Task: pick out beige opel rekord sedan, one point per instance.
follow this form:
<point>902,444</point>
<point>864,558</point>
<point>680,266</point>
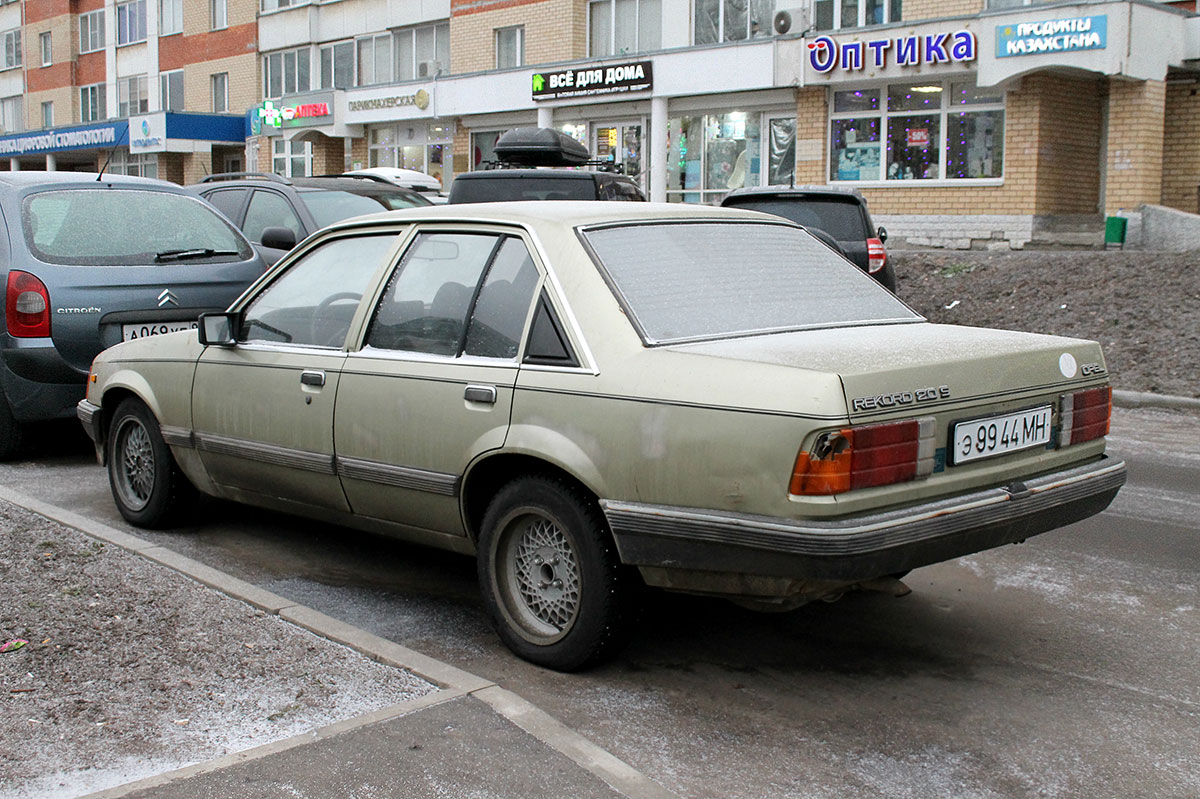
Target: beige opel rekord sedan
<point>593,396</point>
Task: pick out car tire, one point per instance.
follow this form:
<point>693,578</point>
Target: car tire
<point>551,579</point>
<point>147,485</point>
<point>11,431</point>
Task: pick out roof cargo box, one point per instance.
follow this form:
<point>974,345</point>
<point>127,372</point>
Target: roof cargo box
<point>540,147</point>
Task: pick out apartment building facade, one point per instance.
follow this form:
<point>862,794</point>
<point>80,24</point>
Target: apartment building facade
<point>147,87</point>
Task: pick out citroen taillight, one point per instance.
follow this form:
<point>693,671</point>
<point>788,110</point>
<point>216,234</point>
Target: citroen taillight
<point>876,255</point>
<point>865,456</point>
<point>26,306</point>
<point>1084,415</point>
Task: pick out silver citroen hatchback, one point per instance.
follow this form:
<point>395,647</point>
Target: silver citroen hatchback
<point>94,260</point>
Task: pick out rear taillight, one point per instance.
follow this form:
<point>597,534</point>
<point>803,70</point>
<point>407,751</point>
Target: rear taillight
<point>876,255</point>
<point>861,457</point>
<point>1084,415</point>
<point>26,306</point>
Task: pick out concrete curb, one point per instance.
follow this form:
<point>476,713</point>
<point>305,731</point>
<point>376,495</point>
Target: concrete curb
<point>1141,399</point>
<point>454,682</point>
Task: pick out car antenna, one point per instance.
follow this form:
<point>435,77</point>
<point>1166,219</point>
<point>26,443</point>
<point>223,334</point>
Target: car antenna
<point>112,152</point>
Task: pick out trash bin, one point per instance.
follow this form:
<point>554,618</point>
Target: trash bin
<point>1114,231</point>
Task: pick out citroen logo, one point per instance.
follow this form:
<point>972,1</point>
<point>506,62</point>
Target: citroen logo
<point>167,298</point>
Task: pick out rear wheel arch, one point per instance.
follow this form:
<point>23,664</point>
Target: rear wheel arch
<point>491,473</point>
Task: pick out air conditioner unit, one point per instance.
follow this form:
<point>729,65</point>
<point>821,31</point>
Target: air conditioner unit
<point>790,20</point>
<point>427,69</point>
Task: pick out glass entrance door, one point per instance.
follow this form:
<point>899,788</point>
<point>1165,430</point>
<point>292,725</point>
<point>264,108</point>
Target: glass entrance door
<point>621,144</point>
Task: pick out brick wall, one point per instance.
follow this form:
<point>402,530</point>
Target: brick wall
<point>812,133</point>
<point>329,154</point>
<point>1135,144</point>
<point>244,83</point>
<point>65,100</point>
<point>555,30</point>
<point>914,10</point>
<point>1069,131</point>
<point>1181,147</point>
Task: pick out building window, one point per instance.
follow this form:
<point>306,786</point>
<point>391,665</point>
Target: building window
<point>510,47</point>
<point>422,52</point>
<point>220,92</point>
<point>47,48</point>
<point>171,88</point>
<point>93,103</point>
<point>170,17</point>
<point>292,159</point>
<point>374,59</point>
<point>48,114</point>
<point>274,5</point>
<point>12,49</point>
<point>131,22</point>
<point>12,114</point>
<point>837,14</point>
<point>133,96</point>
<point>993,5</point>
<point>218,14</point>
<point>732,20</point>
<point>285,73</point>
<point>91,31</point>
<point>928,131</point>
<point>141,164</point>
<point>624,26</point>
<point>337,65</point>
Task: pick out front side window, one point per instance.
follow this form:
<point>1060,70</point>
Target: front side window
<point>839,14</point>
<point>675,290</point>
<point>435,304</point>
<point>510,47</point>
<point>926,131</point>
<point>131,22</point>
<point>269,209</point>
<point>313,302</point>
<point>617,27</point>
<point>126,226</point>
<point>170,16</point>
<point>171,86</point>
<point>92,103</point>
<point>12,49</point>
<point>732,20</point>
<point>91,31</point>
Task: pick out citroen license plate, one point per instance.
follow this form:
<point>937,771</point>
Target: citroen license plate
<point>998,435</point>
<point>130,332</point>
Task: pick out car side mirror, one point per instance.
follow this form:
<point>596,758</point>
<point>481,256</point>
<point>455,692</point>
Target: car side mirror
<point>279,238</point>
<point>882,234</point>
<point>217,328</point>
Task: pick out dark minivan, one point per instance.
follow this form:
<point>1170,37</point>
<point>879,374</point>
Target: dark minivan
<point>841,213</point>
<point>93,261</point>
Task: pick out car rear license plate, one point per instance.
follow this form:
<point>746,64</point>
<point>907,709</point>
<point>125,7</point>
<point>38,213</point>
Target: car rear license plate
<point>130,332</point>
<point>997,435</point>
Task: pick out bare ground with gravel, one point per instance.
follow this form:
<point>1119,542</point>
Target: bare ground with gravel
<point>133,669</point>
<point>1143,307</point>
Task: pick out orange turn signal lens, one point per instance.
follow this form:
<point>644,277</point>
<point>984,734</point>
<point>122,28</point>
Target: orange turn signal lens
<point>861,457</point>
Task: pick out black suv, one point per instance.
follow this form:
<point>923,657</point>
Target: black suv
<point>91,261</point>
<point>840,213</point>
<point>276,212</point>
<point>542,147</point>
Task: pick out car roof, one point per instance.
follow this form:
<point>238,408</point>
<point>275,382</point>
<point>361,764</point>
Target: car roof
<point>574,213</point>
<point>828,192</point>
<point>513,174</point>
<point>24,178</point>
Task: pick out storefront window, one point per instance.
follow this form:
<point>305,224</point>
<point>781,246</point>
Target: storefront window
<point>711,154</point>
<point>292,159</point>
<point>927,131</point>
<point>144,165</point>
<point>483,148</point>
<point>411,145</point>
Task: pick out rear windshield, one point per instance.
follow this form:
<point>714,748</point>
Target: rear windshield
<point>691,281</point>
<point>113,227</point>
<point>500,189</point>
<point>328,207</point>
<point>842,219</point>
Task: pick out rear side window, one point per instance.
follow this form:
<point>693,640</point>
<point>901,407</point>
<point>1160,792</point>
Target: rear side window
<point>841,219</point>
<point>114,227</point>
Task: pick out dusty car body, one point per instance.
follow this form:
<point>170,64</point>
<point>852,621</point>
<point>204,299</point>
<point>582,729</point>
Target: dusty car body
<point>604,403</point>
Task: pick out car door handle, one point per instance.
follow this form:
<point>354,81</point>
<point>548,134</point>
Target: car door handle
<point>485,394</point>
<point>311,377</point>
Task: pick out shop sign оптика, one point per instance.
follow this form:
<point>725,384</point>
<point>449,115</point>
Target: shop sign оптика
<point>826,54</point>
<point>1051,36</point>
<point>634,76</point>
